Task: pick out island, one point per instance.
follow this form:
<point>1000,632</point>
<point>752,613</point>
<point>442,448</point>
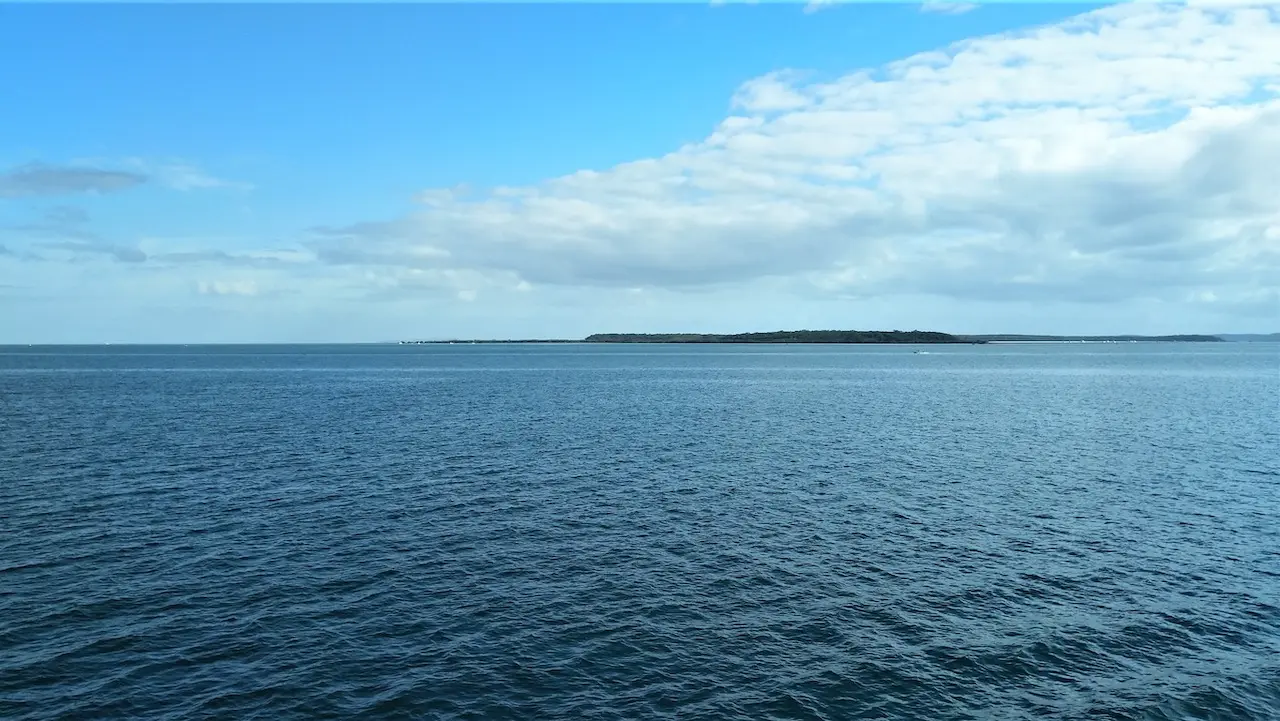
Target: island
<point>845,337</point>
<point>1250,337</point>
<point>781,336</point>
<point>787,336</point>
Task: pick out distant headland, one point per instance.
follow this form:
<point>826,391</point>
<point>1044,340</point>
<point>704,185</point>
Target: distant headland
<point>847,337</point>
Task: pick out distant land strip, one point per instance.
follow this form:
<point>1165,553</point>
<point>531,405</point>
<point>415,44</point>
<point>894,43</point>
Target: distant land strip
<point>847,336</point>
<point>1097,338</point>
<point>787,336</point>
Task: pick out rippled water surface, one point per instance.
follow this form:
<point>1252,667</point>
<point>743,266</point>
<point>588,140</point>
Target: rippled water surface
<point>620,532</point>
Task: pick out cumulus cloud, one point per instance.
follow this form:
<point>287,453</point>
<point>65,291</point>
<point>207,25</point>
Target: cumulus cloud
<point>775,91</point>
<point>38,179</point>
<point>1131,152</point>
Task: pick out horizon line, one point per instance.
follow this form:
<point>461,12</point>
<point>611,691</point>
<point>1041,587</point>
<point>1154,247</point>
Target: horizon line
<point>583,340</point>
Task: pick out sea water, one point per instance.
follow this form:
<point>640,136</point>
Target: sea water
<point>633,532</point>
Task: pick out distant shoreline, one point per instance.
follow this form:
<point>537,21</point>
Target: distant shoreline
<point>839,337</point>
<point>685,339</point>
<point>1013,338</point>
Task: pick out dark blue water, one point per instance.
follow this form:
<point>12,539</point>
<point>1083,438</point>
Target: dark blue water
<point>588,532</point>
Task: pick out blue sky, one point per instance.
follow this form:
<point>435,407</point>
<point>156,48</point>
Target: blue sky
<point>281,172</point>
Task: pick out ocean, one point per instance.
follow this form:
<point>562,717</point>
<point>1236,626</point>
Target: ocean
<point>1079,531</point>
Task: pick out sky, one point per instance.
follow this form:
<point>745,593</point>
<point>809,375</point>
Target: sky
<point>353,173</point>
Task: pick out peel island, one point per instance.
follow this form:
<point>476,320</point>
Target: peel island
<point>787,336</point>
<point>841,336</point>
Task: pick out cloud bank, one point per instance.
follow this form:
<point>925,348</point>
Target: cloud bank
<point>1127,158</point>
<point>1131,152</point>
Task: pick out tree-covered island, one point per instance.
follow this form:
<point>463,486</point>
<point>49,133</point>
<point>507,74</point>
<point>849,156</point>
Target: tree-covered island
<point>786,336</point>
<point>842,336</point>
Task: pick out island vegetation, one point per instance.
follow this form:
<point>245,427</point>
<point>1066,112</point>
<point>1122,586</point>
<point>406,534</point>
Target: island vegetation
<point>1250,337</point>
<point>786,336</point>
<point>845,336</point>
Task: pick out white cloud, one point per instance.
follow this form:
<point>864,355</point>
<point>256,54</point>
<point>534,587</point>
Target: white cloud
<point>947,7</point>
<point>107,175</point>
<point>185,176</point>
<point>172,173</point>
<point>775,91</point>
<point>1130,156</point>
<point>227,287</point>
<point>814,6</point>
<point>1128,153</point>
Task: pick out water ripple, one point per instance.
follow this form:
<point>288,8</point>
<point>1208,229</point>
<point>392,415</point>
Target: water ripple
<point>590,534</point>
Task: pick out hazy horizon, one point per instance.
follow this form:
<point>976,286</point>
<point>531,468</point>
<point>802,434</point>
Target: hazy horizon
<point>563,339</point>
